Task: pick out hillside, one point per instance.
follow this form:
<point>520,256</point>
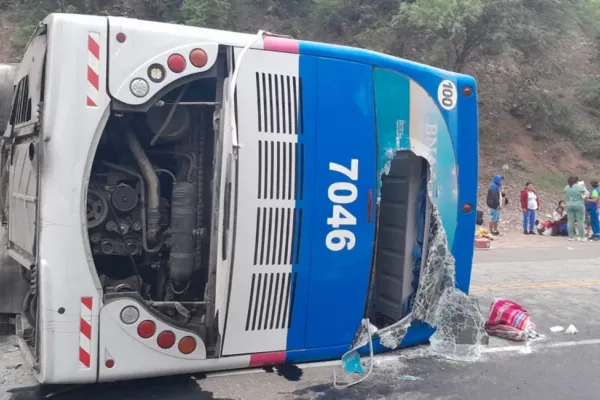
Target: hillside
<point>536,62</point>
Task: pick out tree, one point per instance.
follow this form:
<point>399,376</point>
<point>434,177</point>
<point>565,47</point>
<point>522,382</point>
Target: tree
<point>455,29</point>
<point>207,13</point>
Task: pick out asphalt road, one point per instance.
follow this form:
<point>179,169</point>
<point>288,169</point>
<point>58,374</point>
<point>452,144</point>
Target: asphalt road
<point>559,286</point>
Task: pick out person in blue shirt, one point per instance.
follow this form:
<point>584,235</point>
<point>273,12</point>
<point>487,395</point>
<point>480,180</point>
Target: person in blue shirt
<point>591,205</point>
<point>496,198</point>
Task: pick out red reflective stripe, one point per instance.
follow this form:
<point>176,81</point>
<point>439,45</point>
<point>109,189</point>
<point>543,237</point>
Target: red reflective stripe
<point>280,44</point>
<point>94,47</point>
<point>87,301</point>
<point>93,78</point>
<point>263,359</point>
<point>85,328</point>
<point>84,357</point>
<point>91,103</point>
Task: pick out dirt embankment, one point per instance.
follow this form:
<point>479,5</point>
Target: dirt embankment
<point>523,150</point>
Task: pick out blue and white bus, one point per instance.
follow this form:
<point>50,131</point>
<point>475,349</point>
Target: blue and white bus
<point>192,200</point>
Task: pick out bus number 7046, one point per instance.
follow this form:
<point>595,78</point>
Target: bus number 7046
<point>341,193</point>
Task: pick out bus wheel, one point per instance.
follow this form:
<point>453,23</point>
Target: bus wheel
<point>30,308</point>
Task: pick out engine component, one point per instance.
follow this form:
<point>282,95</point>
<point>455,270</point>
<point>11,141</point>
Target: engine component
<point>125,226</point>
<point>153,186</point>
<point>133,245</point>
<point>137,226</point>
<point>96,237</point>
<point>129,284</point>
<point>124,198</point>
<point>109,246</point>
<point>112,226</point>
<point>97,208</point>
<point>183,224</point>
<point>115,234</point>
<point>114,246</point>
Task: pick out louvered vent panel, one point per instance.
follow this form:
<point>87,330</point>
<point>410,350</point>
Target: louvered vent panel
<point>271,301</point>
<point>280,170</point>
<point>279,102</point>
<point>278,236</point>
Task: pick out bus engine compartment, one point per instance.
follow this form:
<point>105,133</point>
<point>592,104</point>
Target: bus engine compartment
<point>149,200</point>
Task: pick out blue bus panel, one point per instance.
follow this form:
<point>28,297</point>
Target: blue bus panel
<point>343,214</point>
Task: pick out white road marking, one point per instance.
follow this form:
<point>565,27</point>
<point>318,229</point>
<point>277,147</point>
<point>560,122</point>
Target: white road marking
<point>526,348</point>
<point>555,345</point>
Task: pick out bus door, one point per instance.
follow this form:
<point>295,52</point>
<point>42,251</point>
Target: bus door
<point>344,196</point>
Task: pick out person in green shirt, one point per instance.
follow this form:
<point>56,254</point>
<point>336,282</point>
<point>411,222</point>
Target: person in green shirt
<point>574,196</point>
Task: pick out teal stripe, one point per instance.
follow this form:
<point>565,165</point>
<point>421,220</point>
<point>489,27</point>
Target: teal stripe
<point>392,110</point>
<point>393,100</point>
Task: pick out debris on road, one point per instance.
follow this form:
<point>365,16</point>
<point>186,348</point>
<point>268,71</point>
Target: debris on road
<point>571,330</point>
<point>483,238</point>
<point>482,243</point>
<point>556,329</point>
<point>351,364</point>
<point>410,378</point>
<point>482,233</point>
<point>509,320</point>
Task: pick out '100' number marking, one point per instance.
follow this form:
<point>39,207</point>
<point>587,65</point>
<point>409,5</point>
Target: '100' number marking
<point>341,193</point>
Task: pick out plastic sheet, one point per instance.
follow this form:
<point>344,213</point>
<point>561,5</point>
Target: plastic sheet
<point>351,363</point>
<point>571,330</point>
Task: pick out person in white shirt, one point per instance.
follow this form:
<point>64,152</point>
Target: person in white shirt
<point>530,203</point>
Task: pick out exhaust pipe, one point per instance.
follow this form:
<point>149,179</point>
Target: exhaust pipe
<point>152,184</point>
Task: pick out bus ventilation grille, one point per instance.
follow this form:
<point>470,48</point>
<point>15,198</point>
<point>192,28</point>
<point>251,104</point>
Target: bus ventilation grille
<point>278,235</point>
<point>280,170</point>
<point>271,301</point>
<point>279,102</point>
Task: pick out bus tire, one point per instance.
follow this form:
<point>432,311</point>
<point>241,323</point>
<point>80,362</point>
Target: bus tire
<point>29,310</point>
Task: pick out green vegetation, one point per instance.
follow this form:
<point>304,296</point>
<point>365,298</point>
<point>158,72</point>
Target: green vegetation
<point>549,182</point>
<point>521,51</point>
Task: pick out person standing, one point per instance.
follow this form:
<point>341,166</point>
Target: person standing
<point>574,194</point>
<point>530,203</point>
<point>591,205</point>
<point>496,198</point>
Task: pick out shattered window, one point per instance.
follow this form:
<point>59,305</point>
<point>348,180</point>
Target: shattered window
<point>456,317</point>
